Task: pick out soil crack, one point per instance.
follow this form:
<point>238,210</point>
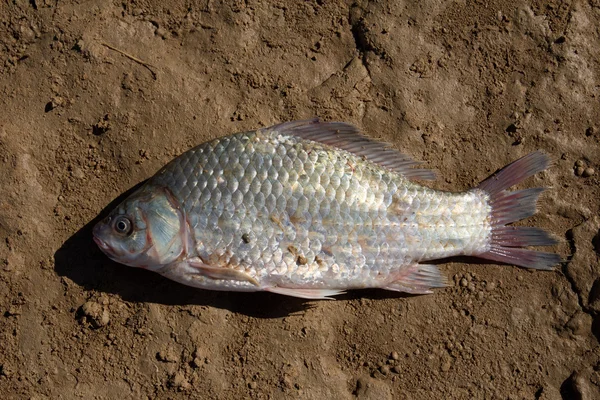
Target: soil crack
<point>570,236</point>
<point>359,31</point>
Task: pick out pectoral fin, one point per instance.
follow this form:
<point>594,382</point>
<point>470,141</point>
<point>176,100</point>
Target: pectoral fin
<point>221,273</point>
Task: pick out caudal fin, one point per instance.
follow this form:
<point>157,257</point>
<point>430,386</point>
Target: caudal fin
<point>508,241</point>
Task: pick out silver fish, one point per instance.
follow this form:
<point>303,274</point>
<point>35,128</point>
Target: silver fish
<point>311,209</point>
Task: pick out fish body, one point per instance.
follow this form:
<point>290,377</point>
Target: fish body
<point>310,209</point>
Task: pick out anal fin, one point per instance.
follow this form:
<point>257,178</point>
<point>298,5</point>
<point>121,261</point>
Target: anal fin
<point>313,294</point>
<point>417,279</point>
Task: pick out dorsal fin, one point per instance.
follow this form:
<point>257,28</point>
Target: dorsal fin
<point>347,137</point>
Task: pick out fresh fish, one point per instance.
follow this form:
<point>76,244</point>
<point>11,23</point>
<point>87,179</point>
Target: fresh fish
<point>311,209</point>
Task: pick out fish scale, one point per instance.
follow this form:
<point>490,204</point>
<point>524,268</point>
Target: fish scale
<point>288,209</point>
<point>354,199</point>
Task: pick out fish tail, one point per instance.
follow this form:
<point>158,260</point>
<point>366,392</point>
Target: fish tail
<point>507,242</point>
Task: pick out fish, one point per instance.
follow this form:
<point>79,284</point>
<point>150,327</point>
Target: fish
<point>312,209</point>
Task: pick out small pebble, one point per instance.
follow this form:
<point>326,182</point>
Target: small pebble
<point>588,172</point>
<point>252,385</point>
<point>96,315</point>
<point>396,369</point>
<point>197,362</point>
<point>446,366</point>
<point>580,323</point>
<point>179,381</point>
<point>464,282</point>
<point>394,355</point>
<point>579,171</point>
<point>580,163</point>
<point>12,311</point>
<point>167,356</point>
<point>384,369</point>
<point>161,32</point>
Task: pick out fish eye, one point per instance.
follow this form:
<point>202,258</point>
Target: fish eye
<point>123,225</point>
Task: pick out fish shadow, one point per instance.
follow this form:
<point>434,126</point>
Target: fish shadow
<point>80,260</point>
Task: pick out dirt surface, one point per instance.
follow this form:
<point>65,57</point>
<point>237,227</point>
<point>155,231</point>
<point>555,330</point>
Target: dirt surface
<point>97,95</point>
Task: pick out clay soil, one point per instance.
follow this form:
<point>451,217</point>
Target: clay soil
<point>95,96</point>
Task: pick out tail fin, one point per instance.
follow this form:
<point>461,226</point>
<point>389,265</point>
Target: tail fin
<point>508,207</point>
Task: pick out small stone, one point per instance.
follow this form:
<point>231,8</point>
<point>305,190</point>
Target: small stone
<point>12,312</point>
<point>471,287</point>
<point>161,32</point>
<point>446,365</point>
<point>77,173</point>
<point>197,353</point>
<point>480,295</point>
<point>580,163</point>
<point>197,362</point>
<point>579,171</point>
<point>369,388</point>
<point>577,386</point>
<point>252,385</point>
<point>396,369</point>
<point>394,355</point>
<point>5,370</point>
<point>464,282</point>
<point>94,314</point>
<point>589,171</point>
<point>580,323</point>
<point>55,102</point>
<point>179,381</point>
<point>102,126</point>
<point>167,355</point>
<point>490,286</point>
<point>287,381</point>
<point>384,369</point>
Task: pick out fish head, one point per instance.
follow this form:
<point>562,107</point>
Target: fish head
<point>147,230</point>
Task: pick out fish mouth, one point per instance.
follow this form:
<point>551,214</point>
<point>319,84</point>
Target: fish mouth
<point>101,243</point>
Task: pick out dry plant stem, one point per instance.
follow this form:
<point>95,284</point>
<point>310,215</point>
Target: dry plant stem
<point>133,58</point>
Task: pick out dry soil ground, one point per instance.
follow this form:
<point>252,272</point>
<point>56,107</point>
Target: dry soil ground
<point>466,86</point>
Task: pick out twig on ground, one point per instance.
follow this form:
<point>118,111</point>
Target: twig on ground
<point>133,58</point>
